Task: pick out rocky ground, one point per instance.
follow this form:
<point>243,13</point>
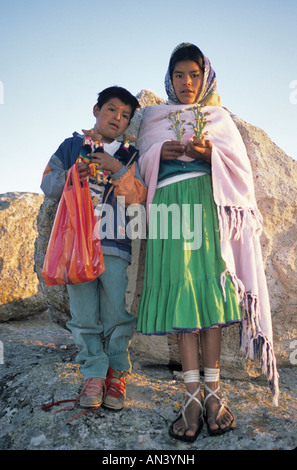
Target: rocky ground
<point>38,367</point>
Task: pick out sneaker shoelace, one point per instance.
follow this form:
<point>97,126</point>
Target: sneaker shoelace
<point>86,388</point>
<point>93,387</point>
<point>116,386</point>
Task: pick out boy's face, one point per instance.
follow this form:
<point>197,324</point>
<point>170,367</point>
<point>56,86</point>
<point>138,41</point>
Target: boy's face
<point>112,119</point>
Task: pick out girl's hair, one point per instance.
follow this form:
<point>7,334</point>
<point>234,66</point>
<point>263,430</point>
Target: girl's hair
<point>118,92</point>
<point>190,52</point>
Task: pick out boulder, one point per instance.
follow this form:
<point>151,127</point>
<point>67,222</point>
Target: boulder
<point>20,295</point>
<point>56,296</point>
<point>274,176</point>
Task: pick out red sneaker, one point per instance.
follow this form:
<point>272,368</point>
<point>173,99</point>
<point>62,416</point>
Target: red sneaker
<point>93,392</point>
<point>116,390</point>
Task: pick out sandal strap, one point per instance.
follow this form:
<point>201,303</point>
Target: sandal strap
<point>222,405</point>
<point>213,393</point>
<point>191,398</point>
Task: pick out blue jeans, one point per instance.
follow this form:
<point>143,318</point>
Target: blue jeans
<point>98,311</point>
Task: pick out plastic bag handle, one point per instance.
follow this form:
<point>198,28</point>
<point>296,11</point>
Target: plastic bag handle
<point>72,175</point>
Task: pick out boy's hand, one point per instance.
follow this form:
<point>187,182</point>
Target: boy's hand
<point>83,171</point>
<point>199,149</point>
<point>105,161</point>
<point>172,149</point>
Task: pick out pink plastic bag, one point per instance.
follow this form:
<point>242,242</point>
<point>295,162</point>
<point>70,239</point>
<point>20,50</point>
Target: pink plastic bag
<point>74,254</point>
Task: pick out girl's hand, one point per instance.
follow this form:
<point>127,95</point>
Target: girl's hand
<point>172,149</point>
<point>105,161</point>
<point>199,149</point>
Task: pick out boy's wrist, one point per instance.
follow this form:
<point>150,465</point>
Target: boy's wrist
<point>119,174</point>
<point>116,166</point>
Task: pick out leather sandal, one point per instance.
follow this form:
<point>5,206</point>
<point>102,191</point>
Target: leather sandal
<point>182,414</point>
<point>223,407</point>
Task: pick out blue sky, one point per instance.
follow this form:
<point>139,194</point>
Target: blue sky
<point>55,56</point>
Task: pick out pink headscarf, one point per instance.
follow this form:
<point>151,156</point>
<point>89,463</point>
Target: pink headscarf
<point>209,86</point>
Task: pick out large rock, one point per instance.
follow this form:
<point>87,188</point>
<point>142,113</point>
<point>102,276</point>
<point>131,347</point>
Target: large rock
<point>275,176</point>
<point>56,296</point>
<point>20,294</point>
<point>275,182</point>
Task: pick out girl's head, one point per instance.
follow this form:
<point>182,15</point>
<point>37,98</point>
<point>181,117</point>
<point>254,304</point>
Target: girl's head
<point>186,53</point>
<point>187,80</point>
<point>190,77</point>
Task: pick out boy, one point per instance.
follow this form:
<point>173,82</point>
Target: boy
<point>98,308</point>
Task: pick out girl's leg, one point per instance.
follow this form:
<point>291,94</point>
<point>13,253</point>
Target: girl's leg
<point>211,351</point>
<point>189,350</point>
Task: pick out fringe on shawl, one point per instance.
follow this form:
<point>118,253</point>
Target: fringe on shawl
<point>256,345</point>
<point>253,342</point>
<point>233,220</point>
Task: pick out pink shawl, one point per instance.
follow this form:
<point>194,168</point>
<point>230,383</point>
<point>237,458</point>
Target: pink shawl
<point>240,221</point>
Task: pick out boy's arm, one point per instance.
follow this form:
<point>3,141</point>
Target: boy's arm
<point>55,173</point>
<point>54,178</point>
<point>128,183</point>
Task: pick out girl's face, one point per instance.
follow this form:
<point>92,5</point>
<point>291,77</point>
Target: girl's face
<point>187,79</point>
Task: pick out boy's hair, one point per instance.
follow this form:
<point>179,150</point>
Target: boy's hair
<point>122,94</point>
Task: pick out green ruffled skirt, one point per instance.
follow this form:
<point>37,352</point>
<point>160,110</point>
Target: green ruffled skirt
<point>182,289</point>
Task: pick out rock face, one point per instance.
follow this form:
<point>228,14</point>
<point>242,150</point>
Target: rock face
<point>275,176</point>
<point>37,356</point>
<point>20,293</point>
<point>56,296</point>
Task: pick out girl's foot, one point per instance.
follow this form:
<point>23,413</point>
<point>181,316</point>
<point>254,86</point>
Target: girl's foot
<point>217,415</point>
<point>189,423</point>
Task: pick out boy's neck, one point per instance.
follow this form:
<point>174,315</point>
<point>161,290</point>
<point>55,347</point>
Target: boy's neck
<point>105,140</point>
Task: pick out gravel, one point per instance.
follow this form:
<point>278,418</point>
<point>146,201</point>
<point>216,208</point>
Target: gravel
<point>38,367</point>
